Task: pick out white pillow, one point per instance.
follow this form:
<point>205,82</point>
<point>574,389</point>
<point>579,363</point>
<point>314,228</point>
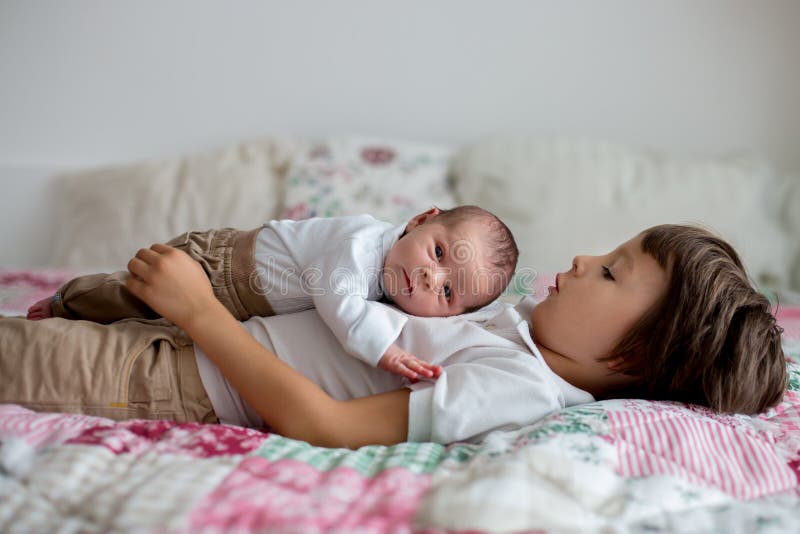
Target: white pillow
<point>787,199</point>
<point>565,197</point>
<point>106,214</point>
<point>391,180</point>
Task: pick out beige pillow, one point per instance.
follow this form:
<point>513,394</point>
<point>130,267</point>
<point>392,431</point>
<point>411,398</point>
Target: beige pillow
<point>563,197</point>
<point>106,214</point>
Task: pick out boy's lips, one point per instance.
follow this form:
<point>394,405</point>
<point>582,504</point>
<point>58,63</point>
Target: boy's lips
<point>553,289</point>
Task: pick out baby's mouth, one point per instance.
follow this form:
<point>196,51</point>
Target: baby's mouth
<point>409,289</point>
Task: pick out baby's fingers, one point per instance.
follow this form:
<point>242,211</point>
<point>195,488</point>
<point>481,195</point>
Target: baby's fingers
<point>418,366</point>
<point>404,370</point>
<point>430,370</point>
<point>422,370</point>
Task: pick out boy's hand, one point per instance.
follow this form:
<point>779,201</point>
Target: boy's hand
<point>397,361</point>
<point>171,283</point>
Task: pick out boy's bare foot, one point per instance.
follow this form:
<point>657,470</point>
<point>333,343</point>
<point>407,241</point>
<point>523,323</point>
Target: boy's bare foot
<point>41,310</point>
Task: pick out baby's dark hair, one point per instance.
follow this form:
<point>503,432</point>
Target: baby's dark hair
<point>502,248</point>
<point>711,339</point>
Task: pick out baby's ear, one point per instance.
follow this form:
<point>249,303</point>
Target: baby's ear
<point>422,218</point>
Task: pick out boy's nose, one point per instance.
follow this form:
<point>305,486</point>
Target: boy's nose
<point>579,265</point>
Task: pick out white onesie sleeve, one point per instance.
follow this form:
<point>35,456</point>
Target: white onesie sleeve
<point>345,299</point>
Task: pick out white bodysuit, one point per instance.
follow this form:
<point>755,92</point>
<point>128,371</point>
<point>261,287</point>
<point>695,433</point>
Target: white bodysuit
<point>494,377</point>
<point>334,265</point>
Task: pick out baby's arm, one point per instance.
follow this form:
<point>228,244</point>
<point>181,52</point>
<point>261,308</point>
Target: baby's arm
<point>365,328</point>
<point>397,361</point>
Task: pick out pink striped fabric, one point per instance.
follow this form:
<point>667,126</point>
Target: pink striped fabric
<point>666,439</point>
<point>789,318</point>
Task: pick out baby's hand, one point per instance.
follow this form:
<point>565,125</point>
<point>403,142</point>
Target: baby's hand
<point>397,361</point>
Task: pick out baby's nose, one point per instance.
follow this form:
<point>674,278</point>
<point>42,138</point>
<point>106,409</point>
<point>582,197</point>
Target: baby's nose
<point>434,278</point>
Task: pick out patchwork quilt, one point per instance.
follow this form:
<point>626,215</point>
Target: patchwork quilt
<point>622,465</point>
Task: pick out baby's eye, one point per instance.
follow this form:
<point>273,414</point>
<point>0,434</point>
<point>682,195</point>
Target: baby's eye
<point>447,291</point>
<point>439,252</point>
<point>607,273</point>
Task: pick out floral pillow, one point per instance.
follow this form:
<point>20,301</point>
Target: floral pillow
<point>346,176</point>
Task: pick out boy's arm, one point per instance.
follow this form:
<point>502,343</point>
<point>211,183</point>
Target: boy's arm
<point>177,288</point>
<point>289,402</point>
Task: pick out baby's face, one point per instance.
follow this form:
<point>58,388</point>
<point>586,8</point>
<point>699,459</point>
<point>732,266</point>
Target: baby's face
<point>436,270</point>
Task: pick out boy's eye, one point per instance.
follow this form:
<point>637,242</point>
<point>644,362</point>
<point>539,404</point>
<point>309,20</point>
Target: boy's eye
<point>439,252</point>
<point>447,292</point>
<point>607,273</point>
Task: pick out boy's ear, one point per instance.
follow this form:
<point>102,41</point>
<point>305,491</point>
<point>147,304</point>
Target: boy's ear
<point>615,364</point>
<point>422,218</point>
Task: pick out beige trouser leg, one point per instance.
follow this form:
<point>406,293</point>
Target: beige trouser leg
<point>226,255</point>
<point>132,369</point>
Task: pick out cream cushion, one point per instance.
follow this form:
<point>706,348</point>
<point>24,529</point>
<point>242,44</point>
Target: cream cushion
<point>563,197</point>
<point>105,215</point>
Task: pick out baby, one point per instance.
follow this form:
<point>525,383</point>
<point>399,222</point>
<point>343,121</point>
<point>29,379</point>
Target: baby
<point>442,263</point>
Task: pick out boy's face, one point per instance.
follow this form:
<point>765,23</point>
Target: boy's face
<point>435,270</point>
<point>593,306</point>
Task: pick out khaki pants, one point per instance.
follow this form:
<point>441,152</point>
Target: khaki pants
<point>132,369</point>
<point>226,255</point>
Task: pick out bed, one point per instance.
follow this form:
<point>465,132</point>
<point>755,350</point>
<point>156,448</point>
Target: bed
<point>622,465</point>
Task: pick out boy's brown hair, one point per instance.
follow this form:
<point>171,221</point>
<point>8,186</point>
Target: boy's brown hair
<point>711,340</point>
<point>498,239</point>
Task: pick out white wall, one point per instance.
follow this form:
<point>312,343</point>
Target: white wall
<point>90,81</point>
<point>85,82</point>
